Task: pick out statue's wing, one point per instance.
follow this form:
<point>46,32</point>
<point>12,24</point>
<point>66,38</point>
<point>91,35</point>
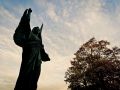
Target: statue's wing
<point>40,30</point>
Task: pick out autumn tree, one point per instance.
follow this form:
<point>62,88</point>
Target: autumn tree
<point>95,67</point>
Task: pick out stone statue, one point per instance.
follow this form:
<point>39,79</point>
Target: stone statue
<point>33,53</point>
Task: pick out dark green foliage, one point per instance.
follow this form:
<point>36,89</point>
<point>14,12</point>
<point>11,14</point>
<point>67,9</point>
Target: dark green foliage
<point>95,67</point>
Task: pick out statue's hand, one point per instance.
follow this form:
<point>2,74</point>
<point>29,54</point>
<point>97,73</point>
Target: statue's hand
<point>29,10</point>
<point>29,14</point>
<point>26,15</point>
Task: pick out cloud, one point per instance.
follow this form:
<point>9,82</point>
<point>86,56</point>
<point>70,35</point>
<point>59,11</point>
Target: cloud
<point>52,13</point>
<point>53,87</point>
<point>7,18</point>
<point>65,13</point>
<point>67,25</point>
<point>84,21</point>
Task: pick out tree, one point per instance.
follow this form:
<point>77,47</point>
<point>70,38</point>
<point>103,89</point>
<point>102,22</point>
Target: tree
<point>95,67</point>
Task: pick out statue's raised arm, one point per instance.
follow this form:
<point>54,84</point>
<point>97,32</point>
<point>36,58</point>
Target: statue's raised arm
<point>23,30</point>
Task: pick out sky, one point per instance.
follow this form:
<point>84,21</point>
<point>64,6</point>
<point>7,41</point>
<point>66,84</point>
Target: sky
<point>67,25</point>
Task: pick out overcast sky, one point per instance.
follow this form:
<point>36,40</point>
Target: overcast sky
<point>67,25</point>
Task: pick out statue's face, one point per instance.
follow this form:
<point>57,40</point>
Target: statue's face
<point>35,30</point>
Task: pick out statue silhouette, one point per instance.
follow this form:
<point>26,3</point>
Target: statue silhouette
<point>33,53</point>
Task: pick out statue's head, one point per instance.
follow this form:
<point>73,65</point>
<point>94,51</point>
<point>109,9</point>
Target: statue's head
<point>35,30</point>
